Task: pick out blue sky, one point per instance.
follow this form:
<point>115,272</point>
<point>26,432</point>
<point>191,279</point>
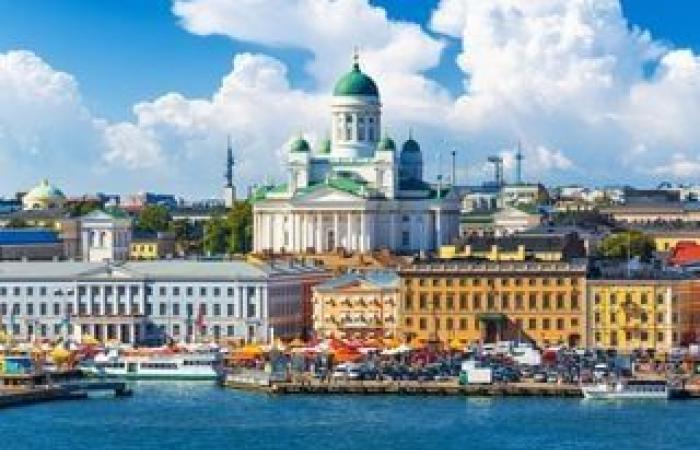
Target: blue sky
<point>121,53</point>
<point>124,51</point>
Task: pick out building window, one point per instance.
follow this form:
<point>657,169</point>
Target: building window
<point>519,301</point>
<point>176,291</point>
<point>409,321</point>
<point>43,309</point>
<point>162,309</point>
<point>162,291</point>
<point>448,323</point>
<point>176,309</point>
<point>560,324</point>
<point>532,324</point>
<point>463,301</point>
<point>463,323</point>
<point>574,302</point>
<point>436,301</point>
<point>190,291</point>
<point>476,302</point>
<point>532,302</point>
<point>217,292</point>
<point>229,291</point>
<point>546,300</point>
<point>229,309</point>
<point>202,292</point>
<point>409,302</point>
<point>423,301</point>
<point>545,324</point>
<point>505,301</point>
<point>217,309</point>
<point>449,303</point>
<point>422,323</point>
<point>560,301</point>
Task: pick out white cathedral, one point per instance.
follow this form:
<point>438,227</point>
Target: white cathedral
<point>356,191</point>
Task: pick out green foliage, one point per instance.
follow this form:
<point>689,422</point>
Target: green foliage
<point>216,236</point>
<point>153,218</point>
<point>627,243</point>
<point>240,221</point>
<point>232,233</point>
<point>83,207</point>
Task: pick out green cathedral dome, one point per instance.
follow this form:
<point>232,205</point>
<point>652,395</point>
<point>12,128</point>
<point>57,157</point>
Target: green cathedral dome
<point>299,146</point>
<point>356,83</point>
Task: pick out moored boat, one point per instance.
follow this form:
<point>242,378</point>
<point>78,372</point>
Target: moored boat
<point>628,390</point>
<point>201,365</point>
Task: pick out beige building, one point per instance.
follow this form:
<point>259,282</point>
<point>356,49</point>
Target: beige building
<point>357,305</point>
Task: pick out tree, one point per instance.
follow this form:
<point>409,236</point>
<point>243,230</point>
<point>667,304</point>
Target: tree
<point>627,244</point>
<point>216,236</point>
<point>83,207</point>
<point>153,218</point>
<point>240,223</point>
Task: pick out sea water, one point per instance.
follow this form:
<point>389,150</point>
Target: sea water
<point>165,415</point>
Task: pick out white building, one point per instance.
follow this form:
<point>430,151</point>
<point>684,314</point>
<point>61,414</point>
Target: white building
<point>105,235</point>
<point>149,302</point>
<point>356,191</point>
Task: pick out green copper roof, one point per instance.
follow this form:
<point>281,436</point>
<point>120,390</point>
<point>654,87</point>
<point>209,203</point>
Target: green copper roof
<point>299,146</point>
<point>356,83</point>
<point>116,212</point>
<point>386,144</point>
<point>325,147</point>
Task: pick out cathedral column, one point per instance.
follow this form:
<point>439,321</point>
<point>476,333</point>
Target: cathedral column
<point>304,231</point>
<point>362,238</point>
<point>351,245</point>
<point>319,233</point>
<point>336,232</point>
<point>256,232</point>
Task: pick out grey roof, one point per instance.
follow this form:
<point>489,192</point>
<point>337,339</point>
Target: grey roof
<point>148,270</point>
<point>384,279</point>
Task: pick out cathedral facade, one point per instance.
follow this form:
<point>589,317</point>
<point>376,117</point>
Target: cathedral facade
<point>357,191</point>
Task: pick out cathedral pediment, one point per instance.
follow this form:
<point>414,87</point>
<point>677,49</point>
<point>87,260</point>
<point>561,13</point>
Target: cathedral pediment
<point>326,194</point>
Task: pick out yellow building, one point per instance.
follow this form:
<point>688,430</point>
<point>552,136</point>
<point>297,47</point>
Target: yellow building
<point>629,315</point>
<point>666,240</point>
<point>486,302</point>
<point>539,246</point>
<point>357,305</point>
<point>152,246</point>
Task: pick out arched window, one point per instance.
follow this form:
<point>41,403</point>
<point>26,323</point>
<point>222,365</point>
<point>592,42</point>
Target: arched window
<point>370,129</point>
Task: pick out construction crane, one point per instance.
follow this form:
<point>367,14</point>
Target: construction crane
<point>497,162</point>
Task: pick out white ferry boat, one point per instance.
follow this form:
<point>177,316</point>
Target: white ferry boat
<point>630,390</point>
<point>174,366</point>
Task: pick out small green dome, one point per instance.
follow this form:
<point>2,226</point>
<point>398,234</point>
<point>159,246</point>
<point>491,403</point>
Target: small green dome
<point>386,144</point>
<point>356,83</point>
<point>325,147</point>
<point>299,146</point>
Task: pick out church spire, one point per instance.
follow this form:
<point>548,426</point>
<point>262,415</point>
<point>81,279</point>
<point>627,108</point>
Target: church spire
<point>230,162</point>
